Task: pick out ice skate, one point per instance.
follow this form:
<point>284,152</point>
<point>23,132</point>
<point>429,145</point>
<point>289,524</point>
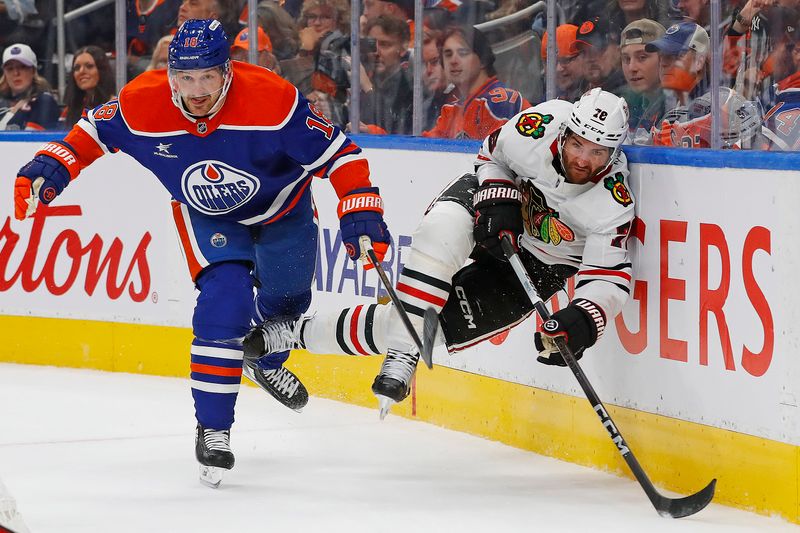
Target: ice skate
<point>213,451</point>
<point>274,335</point>
<point>393,382</point>
<point>280,383</point>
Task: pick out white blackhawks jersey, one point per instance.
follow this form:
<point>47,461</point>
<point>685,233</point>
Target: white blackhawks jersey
<point>584,226</point>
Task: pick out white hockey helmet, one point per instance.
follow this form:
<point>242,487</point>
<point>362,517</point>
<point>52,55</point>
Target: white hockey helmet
<point>600,117</point>
<point>740,119</point>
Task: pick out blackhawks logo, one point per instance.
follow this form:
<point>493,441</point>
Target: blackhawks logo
<point>540,220</point>
<point>532,124</point>
<point>619,192</point>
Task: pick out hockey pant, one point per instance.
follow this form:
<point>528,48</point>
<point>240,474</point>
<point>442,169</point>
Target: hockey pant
<point>227,261</point>
<point>474,302</point>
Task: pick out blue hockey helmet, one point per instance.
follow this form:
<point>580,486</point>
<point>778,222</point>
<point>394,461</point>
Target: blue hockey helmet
<point>199,44</point>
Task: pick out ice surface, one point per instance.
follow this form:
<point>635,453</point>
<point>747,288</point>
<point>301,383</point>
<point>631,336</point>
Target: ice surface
<point>86,451</point>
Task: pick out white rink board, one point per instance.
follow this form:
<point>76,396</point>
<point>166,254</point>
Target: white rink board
<point>753,212</point>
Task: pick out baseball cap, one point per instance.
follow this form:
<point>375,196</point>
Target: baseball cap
<point>565,37</point>
<point>642,31</point>
<point>242,41</point>
<point>20,52</point>
<point>594,33</point>
<point>681,38</point>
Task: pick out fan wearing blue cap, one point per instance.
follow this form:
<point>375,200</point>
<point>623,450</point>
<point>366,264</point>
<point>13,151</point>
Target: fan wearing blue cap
<point>683,54</point>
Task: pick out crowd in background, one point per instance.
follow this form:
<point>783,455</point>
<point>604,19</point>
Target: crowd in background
<point>655,53</point>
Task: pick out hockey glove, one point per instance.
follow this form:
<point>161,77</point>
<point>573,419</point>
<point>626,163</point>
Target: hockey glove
<point>361,214</point>
<point>581,323</point>
<point>43,178</point>
<point>498,212</point>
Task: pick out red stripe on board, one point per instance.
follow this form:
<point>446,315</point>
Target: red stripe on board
<point>430,298</point>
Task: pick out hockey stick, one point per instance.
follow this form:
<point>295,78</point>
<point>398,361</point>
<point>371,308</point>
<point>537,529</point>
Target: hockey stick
<point>667,507</point>
<point>425,350</point>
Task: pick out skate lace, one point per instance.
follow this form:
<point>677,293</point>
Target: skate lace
<point>217,440</point>
<point>278,336</point>
<point>283,381</point>
<point>399,365</point>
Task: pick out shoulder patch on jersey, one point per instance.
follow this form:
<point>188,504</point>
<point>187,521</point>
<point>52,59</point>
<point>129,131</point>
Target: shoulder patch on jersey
<point>493,139</point>
<point>540,220</point>
<point>533,124</point>
<point>616,184</point>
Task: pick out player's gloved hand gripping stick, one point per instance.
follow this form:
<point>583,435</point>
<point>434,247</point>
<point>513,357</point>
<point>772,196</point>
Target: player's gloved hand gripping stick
<point>431,319</point>
<point>667,507</point>
<point>43,178</point>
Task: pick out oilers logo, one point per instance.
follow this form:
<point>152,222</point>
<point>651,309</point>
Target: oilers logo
<point>214,188</point>
<point>218,240</point>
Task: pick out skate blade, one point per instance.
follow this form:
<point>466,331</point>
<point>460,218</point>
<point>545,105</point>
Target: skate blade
<point>385,403</point>
<point>211,476</point>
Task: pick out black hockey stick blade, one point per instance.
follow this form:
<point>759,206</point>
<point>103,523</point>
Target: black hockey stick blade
<point>687,506</point>
<point>430,328</point>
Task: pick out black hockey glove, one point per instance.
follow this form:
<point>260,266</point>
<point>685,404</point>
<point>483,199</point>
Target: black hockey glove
<point>581,323</point>
<point>498,212</point>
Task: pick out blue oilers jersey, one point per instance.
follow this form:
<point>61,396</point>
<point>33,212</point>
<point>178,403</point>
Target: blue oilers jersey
<point>782,126</point>
<point>249,162</point>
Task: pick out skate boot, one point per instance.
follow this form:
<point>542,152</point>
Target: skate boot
<point>213,451</point>
<point>274,335</point>
<point>280,383</point>
<point>393,382</point>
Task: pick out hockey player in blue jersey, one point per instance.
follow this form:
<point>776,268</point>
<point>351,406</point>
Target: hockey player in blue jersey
<point>237,151</point>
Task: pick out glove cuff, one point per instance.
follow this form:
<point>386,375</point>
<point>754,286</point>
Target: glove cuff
<point>495,193</point>
<point>594,316</point>
<point>64,155</point>
<point>366,199</point>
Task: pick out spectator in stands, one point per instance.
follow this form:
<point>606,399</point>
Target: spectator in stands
<point>91,84</point>
<point>752,38</point>
<point>321,69</point>
<point>322,21</point>
<point>401,9</point>
<point>224,11</point>
<point>147,21</point>
<point>623,12</point>
<point>600,48</point>
<point>280,28</point>
<point>433,81</point>
<point>683,59</point>
<point>25,99</point>
<point>241,48</point>
<point>160,53</point>
<point>781,126</point>
<point>569,66</point>
<point>697,11</point>
<point>479,102</point>
<point>387,94</point>
<point>641,69</point>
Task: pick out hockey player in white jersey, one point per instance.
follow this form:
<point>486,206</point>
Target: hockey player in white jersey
<point>553,178</point>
